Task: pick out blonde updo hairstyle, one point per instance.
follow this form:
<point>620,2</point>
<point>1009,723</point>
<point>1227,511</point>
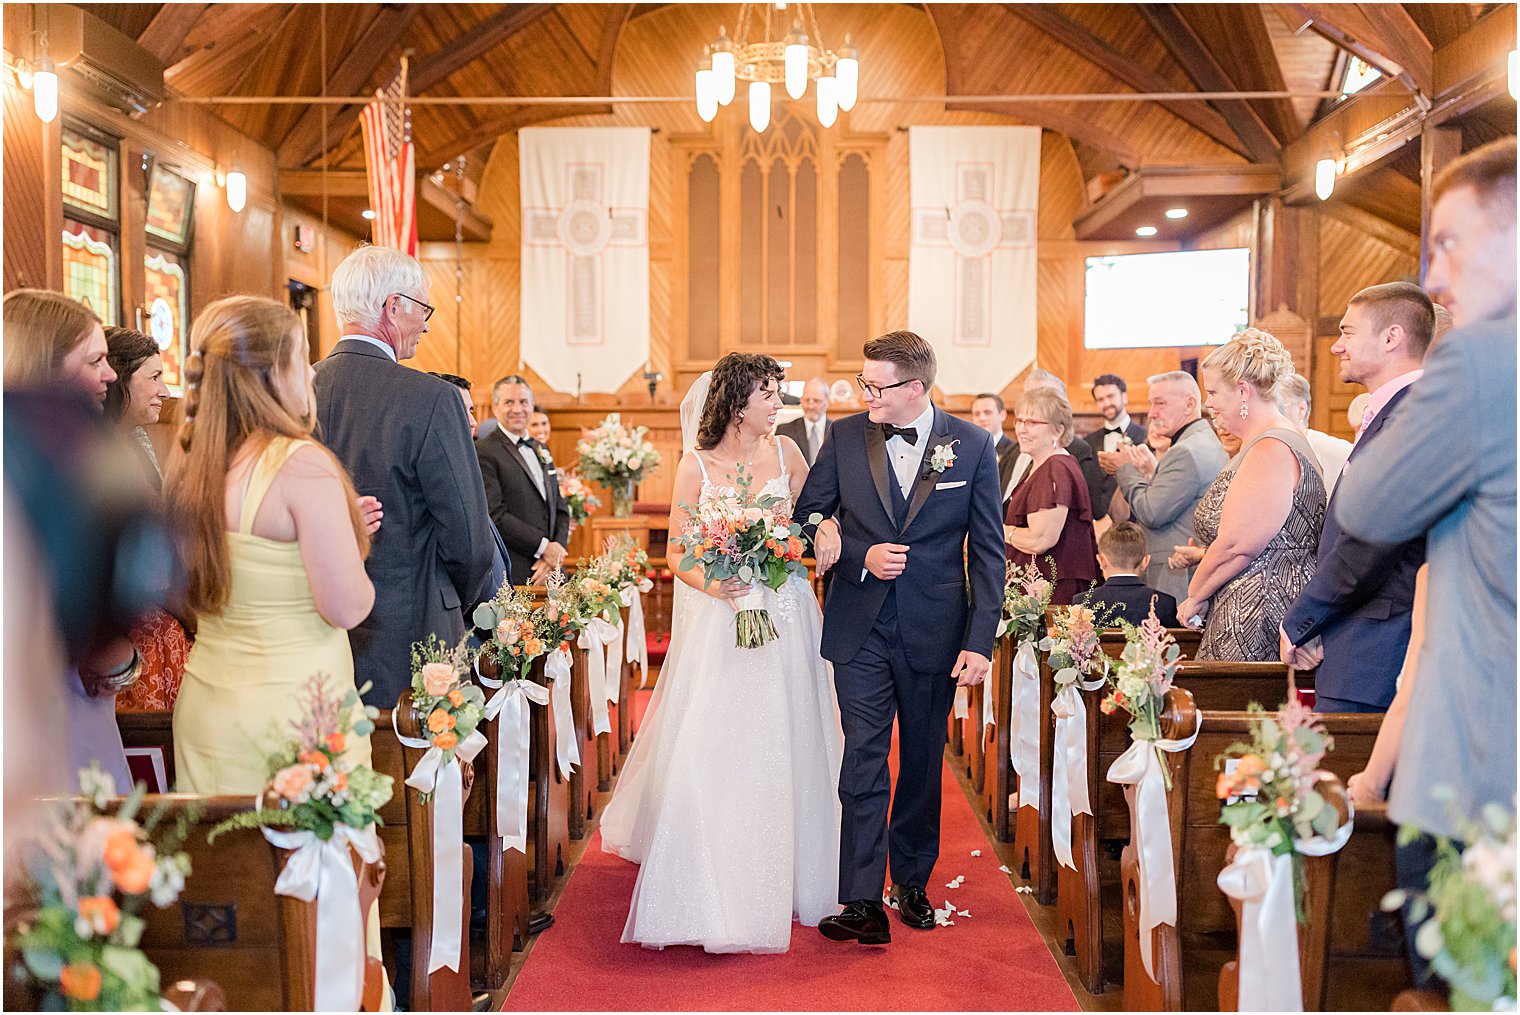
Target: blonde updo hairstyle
<point>1255,357</point>
<point>1049,403</point>
<point>239,347</point>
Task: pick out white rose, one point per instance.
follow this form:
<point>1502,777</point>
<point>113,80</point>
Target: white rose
<point>781,532</point>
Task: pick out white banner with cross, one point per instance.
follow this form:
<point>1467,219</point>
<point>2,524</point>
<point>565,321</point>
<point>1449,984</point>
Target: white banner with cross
<point>973,265</point>
<point>585,254</point>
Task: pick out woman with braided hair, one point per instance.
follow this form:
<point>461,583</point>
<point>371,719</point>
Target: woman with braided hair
<point>272,542</point>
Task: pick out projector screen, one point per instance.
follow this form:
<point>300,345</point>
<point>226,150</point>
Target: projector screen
<point>1185,297</point>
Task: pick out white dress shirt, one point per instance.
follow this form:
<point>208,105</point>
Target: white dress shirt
<point>905,457</point>
<point>1111,440</point>
<point>377,344</point>
<point>535,472</point>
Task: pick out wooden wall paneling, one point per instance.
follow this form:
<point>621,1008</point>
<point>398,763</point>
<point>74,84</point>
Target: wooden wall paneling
<point>33,193</point>
<point>1439,147</point>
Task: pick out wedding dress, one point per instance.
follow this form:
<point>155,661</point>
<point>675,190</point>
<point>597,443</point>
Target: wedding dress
<point>729,799</point>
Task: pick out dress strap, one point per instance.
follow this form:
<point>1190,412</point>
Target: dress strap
<point>781,460</point>
<point>270,461</point>
<point>701,464</point>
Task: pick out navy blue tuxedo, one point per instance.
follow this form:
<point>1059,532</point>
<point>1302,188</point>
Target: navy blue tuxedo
<point>1359,602</point>
<point>894,643</point>
<point>1134,596</point>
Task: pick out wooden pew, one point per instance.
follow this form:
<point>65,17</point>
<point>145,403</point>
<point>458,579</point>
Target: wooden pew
<point>1080,904</point>
<point>999,779</point>
<point>230,926</point>
<point>583,779</point>
<point>623,720</point>
<point>1189,957</point>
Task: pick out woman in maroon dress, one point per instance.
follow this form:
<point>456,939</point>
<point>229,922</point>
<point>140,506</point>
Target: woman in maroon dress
<point>1050,515</point>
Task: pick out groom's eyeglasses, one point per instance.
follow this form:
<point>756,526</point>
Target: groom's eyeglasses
<point>873,391</point>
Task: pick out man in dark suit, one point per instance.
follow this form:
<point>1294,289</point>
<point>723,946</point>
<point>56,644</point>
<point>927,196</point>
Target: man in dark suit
<point>500,571</point>
<point>989,413</point>
<point>1353,617</point>
<point>522,486</point>
<point>811,428</point>
<point>1123,595</point>
<point>1112,397</point>
<point>404,437</point>
<point>913,611</point>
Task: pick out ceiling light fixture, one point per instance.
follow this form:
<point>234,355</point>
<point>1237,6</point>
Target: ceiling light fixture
<point>1146,231</point>
<point>1176,213</point>
<point>1324,178</point>
<point>368,214</point>
<point>762,54</point>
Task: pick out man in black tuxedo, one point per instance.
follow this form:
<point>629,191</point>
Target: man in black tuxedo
<point>989,413</point>
<point>1353,617</point>
<point>1112,397</point>
<point>811,428</point>
<point>522,486</point>
<point>912,612</point>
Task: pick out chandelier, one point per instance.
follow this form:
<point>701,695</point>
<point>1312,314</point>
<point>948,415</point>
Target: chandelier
<point>759,56</point>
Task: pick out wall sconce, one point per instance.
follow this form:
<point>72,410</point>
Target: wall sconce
<point>45,87</point>
<point>237,189</point>
<point>1324,178</point>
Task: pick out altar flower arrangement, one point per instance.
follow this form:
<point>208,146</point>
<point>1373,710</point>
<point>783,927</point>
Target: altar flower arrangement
<point>1139,682</point>
<point>514,642</point>
<point>579,500</point>
<point>90,873</point>
<point>1026,596</point>
<point>1467,915</point>
<point>618,457</point>
<point>313,786</point>
<point>451,706</point>
<point>739,535</point>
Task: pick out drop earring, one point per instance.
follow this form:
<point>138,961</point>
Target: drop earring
<point>1245,410</point>
<point>741,417</point>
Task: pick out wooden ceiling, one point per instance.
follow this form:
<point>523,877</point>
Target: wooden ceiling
<point>984,50</point>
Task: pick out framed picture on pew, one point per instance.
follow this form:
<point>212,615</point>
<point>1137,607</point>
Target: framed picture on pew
<point>147,766</point>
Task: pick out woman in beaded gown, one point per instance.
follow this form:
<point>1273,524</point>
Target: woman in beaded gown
<point>729,800</point>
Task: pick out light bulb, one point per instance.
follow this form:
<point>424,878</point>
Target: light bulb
<point>759,106</point>
<point>1324,179</point>
<point>1176,213</point>
<point>1146,231</point>
<point>707,94</point>
<point>796,63</point>
<point>237,189</point>
<point>828,101</point>
<point>723,67</point>
<point>847,70</point>
<point>45,90</point>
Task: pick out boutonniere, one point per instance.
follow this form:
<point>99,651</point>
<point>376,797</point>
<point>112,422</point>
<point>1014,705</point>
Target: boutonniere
<point>943,457</point>
<point>543,455</point>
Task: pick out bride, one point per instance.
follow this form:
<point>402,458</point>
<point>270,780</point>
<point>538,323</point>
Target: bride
<point>729,799</point>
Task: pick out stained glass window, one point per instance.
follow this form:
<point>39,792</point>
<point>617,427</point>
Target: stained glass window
<point>171,200</point>
<point>167,294</point>
<point>89,268</point>
<point>89,174</point>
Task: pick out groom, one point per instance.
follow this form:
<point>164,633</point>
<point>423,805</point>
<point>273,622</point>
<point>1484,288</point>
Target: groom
<point>907,618</point>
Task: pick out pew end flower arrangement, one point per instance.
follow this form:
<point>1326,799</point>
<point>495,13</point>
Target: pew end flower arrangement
<point>451,707</point>
<point>1026,597</point>
<point>754,539</point>
<point>1072,643</point>
<point>1466,917</point>
<point>514,643</point>
<point>618,457</point>
<point>1140,681</point>
<point>555,621</point>
<point>90,873</point>
<point>579,500</point>
<point>626,564</point>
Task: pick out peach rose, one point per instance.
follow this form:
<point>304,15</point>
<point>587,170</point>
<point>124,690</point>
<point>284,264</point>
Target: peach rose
<point>1250,765</point>
<point>506,631</point>
<point>446,741</point>
<point>80,981</point>
<point>437,678</point>
<point>440,721</point>
<point>534,646</point>
<point>100,913</point>
<point>293,783</point>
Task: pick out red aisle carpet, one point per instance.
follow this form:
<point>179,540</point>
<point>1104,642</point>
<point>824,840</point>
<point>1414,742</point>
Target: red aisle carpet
<point>992,960</point>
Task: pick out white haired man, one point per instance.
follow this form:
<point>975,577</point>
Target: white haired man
<point>404,437</point>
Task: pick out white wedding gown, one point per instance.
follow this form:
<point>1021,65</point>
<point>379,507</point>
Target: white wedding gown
<point>729,799</point>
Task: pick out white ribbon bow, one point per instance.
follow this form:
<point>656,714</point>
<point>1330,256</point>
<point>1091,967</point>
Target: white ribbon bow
<point>1068,781</point>
<point>1024,737</point>
<point>323,871</point>
<point>612,685</point>
<point>595,638</point>
<point>513,739</point>
<point>1138,770</point>
<point>1268,960</point>
<point>446,784</point>
<point>638,633</point>
<point>567,751</point>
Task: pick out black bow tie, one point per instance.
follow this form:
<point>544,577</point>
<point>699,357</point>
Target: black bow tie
<point>523,442</point>
<point>1112,429</point>
<point>907,433</point>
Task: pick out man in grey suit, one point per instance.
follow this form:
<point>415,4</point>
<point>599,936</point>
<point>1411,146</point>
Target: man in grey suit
<point>1163,495</point>
<point>1445,468</point>
<point>405,438</point>
<point>810,429</point>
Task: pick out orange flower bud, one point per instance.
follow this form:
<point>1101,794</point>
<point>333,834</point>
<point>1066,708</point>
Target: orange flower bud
<point>1250,765</point>
<point>80,981</point>
<point>133,877</point>
<point>456,697</point>
<point>439,721</point>
<point>1224,786</point>
<point>446,741</point>
<point>121,846</point>
<point>100,912</point>
<point>336,743</point>
<point>316,758</point>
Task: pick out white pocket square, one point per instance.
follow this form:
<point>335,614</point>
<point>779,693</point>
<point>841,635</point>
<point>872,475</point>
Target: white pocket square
<point>949,486</point>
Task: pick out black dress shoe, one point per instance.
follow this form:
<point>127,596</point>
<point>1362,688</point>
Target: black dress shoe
<point>914,906</point>
<point>540,921</point>
<point>863,921</point>
<point>480,1002</point>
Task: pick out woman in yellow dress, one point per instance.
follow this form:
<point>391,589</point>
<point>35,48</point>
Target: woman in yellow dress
<point>274,546</point>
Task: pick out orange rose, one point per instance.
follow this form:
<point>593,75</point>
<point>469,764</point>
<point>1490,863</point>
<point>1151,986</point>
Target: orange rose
<point>446,741</point>
<point>340,782</point>
<point>336,743</point>
<point>456,697</point>
<point>794,544</point>
<point>121,845</point>
<point>80,981</point>
<point>1250,765</point>
<point>440,721</point>
<point>133,878</point>
<point>534,647</point>
<point>100,912</point>
<point>316,758</point>
<point>1224,786</point>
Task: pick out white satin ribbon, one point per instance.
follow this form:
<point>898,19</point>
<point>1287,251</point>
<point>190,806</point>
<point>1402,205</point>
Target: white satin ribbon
<point>1138,770</point>
<point>568,753</point>
<point>1024,737</point>
<point>513,736</point>
<point>1268,958</point>
<point>595,638</point>
<point>323,871</point>
<point>1068,778</point>
<point>638,632</point>
<point>962,702</point>
<point>612,685</point>
<point>446,784</point>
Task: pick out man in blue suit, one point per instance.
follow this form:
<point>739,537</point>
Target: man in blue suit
<point>913,610</point>
<point>1359,602</point>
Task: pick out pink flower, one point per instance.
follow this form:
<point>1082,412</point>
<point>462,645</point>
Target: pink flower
<point>437,678</point>
<point>294,783</point>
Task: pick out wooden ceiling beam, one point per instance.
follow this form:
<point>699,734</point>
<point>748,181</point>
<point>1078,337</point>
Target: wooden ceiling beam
<point>303,142</point>
<point>1122,67</point>
<point>1208,76</point>
<point>1384,35</point>
<point>165,35</point>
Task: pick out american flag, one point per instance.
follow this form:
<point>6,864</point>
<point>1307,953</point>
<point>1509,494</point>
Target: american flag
<point>391,163</point>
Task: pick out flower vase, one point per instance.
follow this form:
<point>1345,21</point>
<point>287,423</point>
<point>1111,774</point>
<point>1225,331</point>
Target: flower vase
<point>622,498</point>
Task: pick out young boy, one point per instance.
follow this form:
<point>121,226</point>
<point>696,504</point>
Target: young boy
<point>1122,556</point>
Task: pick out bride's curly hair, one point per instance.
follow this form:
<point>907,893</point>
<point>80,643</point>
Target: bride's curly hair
<point>734,380</point>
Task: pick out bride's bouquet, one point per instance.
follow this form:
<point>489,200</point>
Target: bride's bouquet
<point>754,539</point>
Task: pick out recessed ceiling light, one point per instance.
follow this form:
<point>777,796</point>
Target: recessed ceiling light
<point>368,213</point>
<point>1176,213</point>
<point>1146,231</point>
